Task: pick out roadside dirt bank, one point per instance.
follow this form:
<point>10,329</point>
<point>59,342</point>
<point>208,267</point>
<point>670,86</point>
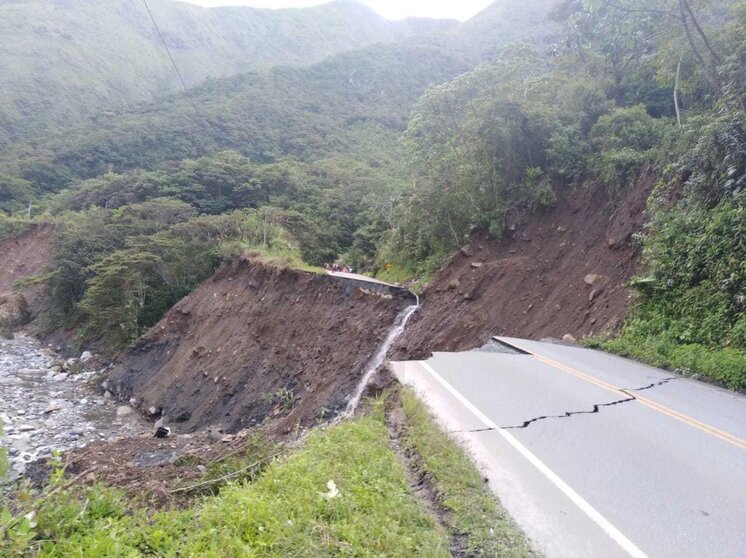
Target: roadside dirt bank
<point>559,272</point>
<point>253,343</point>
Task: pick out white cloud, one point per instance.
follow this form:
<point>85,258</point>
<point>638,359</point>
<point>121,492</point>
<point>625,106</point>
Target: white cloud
<point>391,9</point>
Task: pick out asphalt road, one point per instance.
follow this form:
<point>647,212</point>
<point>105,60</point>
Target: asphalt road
<point>358,277</point>
<point>595,455</point>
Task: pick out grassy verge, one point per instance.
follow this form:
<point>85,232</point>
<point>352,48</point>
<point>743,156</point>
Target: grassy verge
<point>725,366</point>
<point>343,494</point>
<point>474,516</point>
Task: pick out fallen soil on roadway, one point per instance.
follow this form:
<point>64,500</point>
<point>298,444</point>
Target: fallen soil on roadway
<point>562,271</point>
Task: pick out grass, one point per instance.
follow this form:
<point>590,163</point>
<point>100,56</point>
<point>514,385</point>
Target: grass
<point>290,510</point>
<point>725,366</point>
<point>4,466</point>
<point>344,492</point>
<point>473,513</point>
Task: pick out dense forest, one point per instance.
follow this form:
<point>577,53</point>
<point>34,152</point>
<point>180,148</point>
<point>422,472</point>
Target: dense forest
<point>65,61</point>
<point>395,153</point>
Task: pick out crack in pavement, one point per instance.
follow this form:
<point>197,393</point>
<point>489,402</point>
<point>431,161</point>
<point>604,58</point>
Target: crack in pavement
<point>654,384</point>
<point>596,408</point>
<point>568,414</point>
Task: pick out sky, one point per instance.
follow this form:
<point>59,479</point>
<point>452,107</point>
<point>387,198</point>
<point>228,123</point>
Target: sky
<point>390,9</point>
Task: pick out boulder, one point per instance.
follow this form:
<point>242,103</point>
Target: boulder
<point>86,356</point>
<point>591,279</point>
<point>52,407</point>
<point>595,294</point>
<point>124,411</point>
<point>567,338</point>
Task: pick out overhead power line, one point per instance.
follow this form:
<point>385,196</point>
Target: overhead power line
<point>170,57</point>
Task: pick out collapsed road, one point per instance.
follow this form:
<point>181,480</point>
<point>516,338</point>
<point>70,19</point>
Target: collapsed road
<point>593,454</point>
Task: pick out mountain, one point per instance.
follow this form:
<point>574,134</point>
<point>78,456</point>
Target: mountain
<point>61,60</point>
<point>344,103</point>
<point>508,21</point>
<point>332,107</point>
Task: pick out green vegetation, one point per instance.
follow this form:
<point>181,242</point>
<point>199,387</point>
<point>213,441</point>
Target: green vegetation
<point>473,512</point>
<point>388,157</point>
<point>119,59</point>
<point>118,271</point>
<point>4,466</point>
<point>11,226</point>
<point>344,493</point>
<point>511,137</point>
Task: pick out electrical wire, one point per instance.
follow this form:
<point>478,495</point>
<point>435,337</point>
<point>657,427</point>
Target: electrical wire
<point>170,57</point>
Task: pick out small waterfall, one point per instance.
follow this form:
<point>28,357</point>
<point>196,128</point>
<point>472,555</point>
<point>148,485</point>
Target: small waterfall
<point>380,356</point>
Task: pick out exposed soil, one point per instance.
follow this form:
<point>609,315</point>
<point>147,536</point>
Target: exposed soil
<point>26,255</point>
<point>559,272</point>
<point>255,343</point>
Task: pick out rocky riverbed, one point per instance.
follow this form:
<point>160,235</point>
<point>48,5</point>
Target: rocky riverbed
<point>48,405</point>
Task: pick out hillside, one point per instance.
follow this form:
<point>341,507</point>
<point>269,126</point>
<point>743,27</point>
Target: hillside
<point>240,349</point>
<point>323,109</point>
<point>62,61</point>
<point>562,271</point>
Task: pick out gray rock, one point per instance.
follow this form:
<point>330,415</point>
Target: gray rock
<point>52,407</point>
<point>124,411</point>
<point>591,278</point>
<point>86,356</point>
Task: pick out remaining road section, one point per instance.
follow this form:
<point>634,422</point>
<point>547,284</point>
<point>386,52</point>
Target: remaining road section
<point>596,455</point>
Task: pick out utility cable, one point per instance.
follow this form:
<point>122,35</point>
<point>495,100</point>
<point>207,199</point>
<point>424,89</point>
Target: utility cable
<point>170,56</point>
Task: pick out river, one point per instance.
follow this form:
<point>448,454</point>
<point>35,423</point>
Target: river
<point>44,410</point>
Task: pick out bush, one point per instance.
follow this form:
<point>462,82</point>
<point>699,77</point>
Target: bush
<point>726,366</point>
<point>624,140</point>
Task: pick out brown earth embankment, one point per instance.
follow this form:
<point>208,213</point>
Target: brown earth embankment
<point>21,257</point>
<point>562,271</point>
<point>255,342</point>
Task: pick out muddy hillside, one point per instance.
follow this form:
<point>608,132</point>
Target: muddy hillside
<point>556,273</point>
<point>24,255</point>
<point>255,342</point>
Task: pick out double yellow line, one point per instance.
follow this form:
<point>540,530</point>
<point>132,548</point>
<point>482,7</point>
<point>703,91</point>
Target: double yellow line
<point>686,419</point>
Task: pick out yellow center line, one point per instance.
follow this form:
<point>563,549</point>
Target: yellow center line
<point>686,419</point>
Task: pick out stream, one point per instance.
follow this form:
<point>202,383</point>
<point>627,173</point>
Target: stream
<point>375,363</point>
<point>43,409</point>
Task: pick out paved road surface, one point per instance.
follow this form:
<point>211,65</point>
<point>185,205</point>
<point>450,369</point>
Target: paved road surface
<point>595,455</point>
<point>358,277</point>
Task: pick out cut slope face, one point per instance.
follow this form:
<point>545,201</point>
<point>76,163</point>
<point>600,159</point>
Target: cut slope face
<point>562,271</point>
<point>255,342</point>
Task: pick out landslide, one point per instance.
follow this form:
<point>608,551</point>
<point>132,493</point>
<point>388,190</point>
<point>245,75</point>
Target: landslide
<point>255,342</point>
<point>22,256</point>
<point>559,272</point>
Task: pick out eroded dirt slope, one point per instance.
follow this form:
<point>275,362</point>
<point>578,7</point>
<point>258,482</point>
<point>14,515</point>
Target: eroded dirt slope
<point>255,342</point>
<point>559,272</point>
<point>25,255</point>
